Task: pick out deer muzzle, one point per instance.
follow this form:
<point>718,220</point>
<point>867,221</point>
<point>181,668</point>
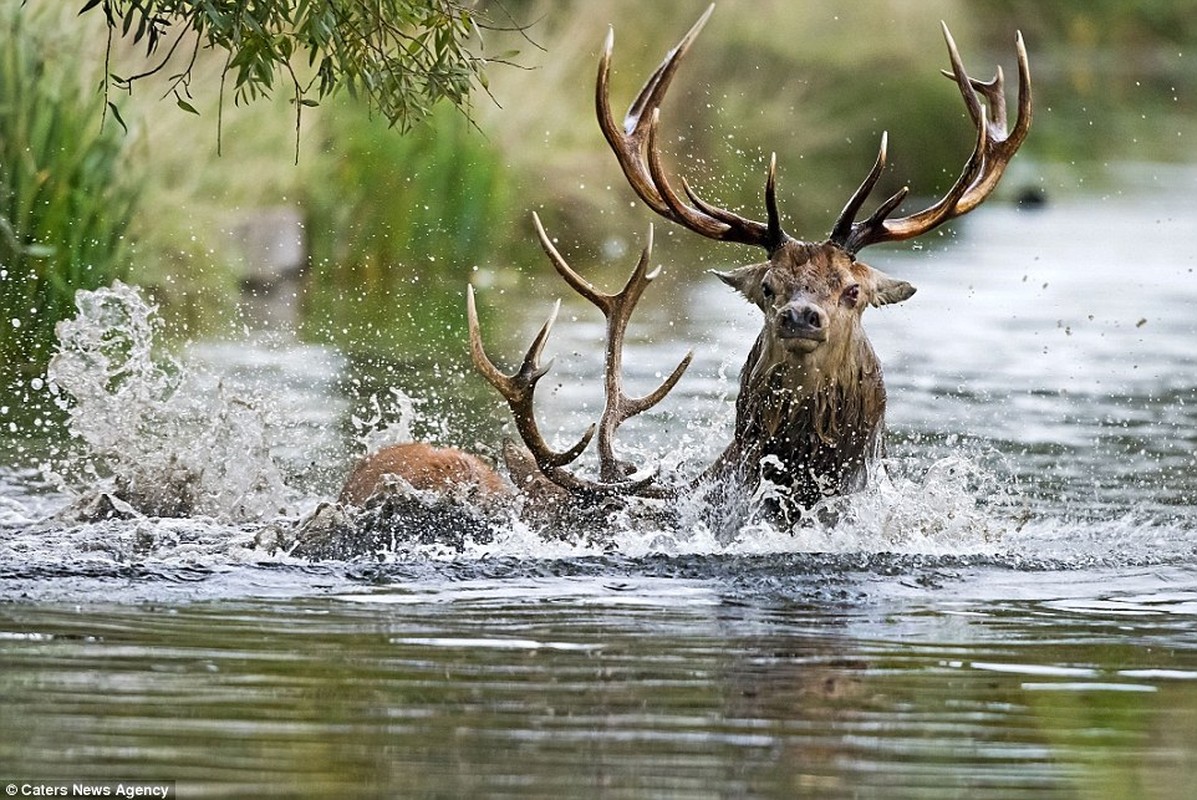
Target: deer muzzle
<point>802,320</point>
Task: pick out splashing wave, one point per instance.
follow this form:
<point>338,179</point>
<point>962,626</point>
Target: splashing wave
<point>198,466</point>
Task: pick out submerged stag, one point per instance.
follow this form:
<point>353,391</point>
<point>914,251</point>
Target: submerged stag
<point>811,406</point>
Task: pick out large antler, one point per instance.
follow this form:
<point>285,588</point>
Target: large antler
<point>635,146</point>
<point>518,389</point>
<point>991,154</point>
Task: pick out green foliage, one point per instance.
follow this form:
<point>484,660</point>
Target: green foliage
<point>65,201</point>
<point>401,56</point>
<point>1120,77</point>
<point>395,226</point>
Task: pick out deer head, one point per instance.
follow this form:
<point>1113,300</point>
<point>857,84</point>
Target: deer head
<point>812,297</point>
<point>811,394</point>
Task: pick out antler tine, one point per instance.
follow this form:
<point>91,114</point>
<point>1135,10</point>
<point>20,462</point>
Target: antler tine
<point>1003,145</point>
<point>653,93</point>
<point>617,309</point>
<point>960,76</point>
<point>575,281</point>
<point>994,92</point>
<point>519,389</point>
<point>991,154</point>
<point>775,233</point>
<point>619,406</point>
<point>635,147</point>
<point>843,224</point>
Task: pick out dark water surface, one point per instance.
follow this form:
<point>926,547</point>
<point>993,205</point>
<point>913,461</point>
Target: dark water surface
<point>1011,611</point>
<point>699,677</point>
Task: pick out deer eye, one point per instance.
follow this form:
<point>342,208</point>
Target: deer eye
<point>851,295</point>
<point>767,290</point>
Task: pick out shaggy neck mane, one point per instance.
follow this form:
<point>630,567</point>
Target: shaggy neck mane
<point>809,426</point>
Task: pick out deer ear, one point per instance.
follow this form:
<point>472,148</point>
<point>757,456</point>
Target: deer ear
<point>745,280</point>
<point>890,290</point>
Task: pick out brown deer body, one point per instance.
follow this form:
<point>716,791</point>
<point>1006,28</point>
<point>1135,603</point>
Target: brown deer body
<point>426,469</point>
<point>811,406</point>
<point>810,411</point>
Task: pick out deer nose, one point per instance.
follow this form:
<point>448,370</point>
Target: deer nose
<point>802,320</point>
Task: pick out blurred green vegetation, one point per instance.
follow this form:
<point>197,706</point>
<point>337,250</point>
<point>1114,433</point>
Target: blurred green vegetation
<point>396,224</point>
<point>396,227</point>
<point>1116,82</point>
<point>67,195</point>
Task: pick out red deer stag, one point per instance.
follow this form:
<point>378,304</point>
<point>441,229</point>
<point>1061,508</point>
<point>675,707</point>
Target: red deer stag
<point>811,405</point>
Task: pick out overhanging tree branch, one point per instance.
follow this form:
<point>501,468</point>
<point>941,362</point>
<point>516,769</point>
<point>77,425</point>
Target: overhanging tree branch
<point>401,56</point>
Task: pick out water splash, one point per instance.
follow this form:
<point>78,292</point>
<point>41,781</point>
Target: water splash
<point>178,438</point>
<point>389,421</point>
<point>951,507</point>
<point>171,441</point>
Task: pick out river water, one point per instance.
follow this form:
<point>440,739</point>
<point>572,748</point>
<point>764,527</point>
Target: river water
<point>1009,611</point>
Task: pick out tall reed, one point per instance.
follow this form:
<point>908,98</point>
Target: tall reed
<point>66,196</point>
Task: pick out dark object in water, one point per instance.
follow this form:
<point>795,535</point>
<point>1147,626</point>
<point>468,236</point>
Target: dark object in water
<point>1031,197</point>
<point>393,520</point>
<point>97,507</point>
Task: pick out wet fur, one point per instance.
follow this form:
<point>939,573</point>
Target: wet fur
<point>425,468</point>
<point>809,419</point>
<point>813,435</point>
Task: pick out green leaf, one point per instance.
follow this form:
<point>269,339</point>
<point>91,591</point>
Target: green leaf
<point>183,104</point>
<point>116,114</point>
